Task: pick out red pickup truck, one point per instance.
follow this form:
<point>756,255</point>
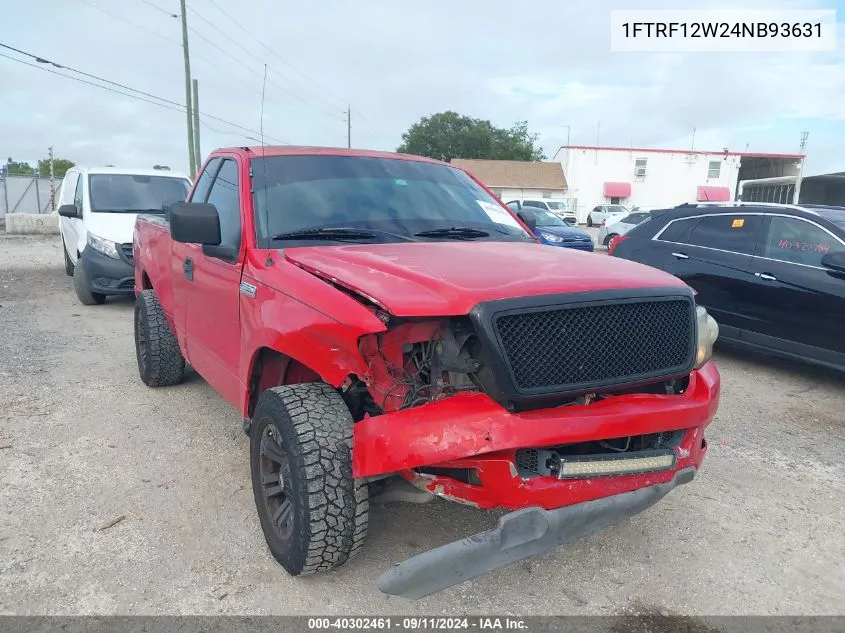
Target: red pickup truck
<point>380,317</point>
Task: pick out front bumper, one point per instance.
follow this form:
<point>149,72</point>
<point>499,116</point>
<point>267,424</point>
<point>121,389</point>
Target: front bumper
<point>578,246</point>
<point>473,431</point>
<point>518,535</point>
<point>107,276</point>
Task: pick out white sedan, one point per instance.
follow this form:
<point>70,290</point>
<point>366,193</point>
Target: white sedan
<point>603,212</point>
<point>619,226</point>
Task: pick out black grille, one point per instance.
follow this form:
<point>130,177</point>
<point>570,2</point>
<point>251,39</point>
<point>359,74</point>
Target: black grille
<point>126,251</point>
<point>564,347</point>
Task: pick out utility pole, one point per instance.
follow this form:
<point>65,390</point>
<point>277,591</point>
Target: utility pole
<point>52,182</point>
<point>196,101</point>
<point>191,140</point>
<point>797,192</point>
<point>348,126</point>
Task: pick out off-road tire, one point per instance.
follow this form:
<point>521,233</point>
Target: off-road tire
<point>328,512</point>
<point>608,238</point>
<point>85,296</point>
<point>68,263</point>
<point>160,361</point>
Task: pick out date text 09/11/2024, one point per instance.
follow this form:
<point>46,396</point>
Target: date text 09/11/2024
<point>417,623</point>
<point>722,29</point>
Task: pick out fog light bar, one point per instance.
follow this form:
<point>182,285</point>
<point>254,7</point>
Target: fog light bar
<point>615,464</point>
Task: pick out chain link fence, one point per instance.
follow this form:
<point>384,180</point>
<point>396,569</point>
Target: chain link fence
<point>26,194</point>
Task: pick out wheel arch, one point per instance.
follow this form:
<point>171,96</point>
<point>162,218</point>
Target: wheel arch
<point>270,367</point>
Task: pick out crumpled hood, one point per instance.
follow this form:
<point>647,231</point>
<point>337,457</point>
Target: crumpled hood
<point>450,278</point>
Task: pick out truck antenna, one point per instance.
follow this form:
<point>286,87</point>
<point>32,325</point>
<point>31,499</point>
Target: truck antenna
<point>269,260</point>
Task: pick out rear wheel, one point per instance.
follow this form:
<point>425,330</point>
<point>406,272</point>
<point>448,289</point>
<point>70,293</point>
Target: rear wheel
<point>85,296</point>
<point>608,238</point>
<point>160,361</point>
<point>68,263</point>
<point>312,512</point>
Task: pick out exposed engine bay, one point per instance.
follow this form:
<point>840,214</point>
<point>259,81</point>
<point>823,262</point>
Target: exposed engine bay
<point>421,361</point>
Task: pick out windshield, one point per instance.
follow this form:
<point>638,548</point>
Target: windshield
<point>616,208</point>
<point>837,216</point>
<point>125,193</point>
<point>557,206</point>
<point>546,218</point>
<point>403,197</point>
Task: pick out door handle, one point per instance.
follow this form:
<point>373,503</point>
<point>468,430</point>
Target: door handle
<point>680,255</point>
<point>766,276</point>
<point>188,269</point>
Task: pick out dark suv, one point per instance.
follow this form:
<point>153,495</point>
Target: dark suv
<point>773,276</point>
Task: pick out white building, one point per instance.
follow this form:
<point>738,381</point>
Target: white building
<point>635,176</point>
<point>518,179</point>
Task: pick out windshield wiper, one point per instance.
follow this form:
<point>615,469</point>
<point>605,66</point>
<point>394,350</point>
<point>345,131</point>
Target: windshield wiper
<point>339,233</point>
<point>457,232</point>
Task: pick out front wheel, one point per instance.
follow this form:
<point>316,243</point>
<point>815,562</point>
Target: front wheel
<point>590,221</point>
<point>608,238</point>
<point>85,296</point>
<point>312,512</point>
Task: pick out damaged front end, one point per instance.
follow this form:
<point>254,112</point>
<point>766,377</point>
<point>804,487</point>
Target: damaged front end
<point>568,409</point>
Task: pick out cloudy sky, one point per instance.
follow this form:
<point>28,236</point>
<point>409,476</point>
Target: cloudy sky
<point>544,61</point>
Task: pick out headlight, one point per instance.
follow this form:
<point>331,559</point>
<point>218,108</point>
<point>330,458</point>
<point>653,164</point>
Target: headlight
<point>707,331</point>
<point>107,248</point>
<point>554,239</point>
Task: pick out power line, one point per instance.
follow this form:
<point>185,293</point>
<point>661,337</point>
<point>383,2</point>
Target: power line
<point>158,8</point>
<point>259,60</point>
<point>161,101</point>
<point>279,57</point>
<point>122,19</point>
<point>144,28</point>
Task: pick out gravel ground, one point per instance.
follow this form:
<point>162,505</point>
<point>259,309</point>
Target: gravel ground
<point>83,442</point>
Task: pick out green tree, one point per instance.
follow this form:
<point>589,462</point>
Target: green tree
<point>19,167</point>
<point>449,135</point>
<point>60,166</point>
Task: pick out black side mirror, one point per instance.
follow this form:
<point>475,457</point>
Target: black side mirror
<point>69,211</point>
<point>195,223</point>
<point>835,261</point>
<point>529,218</point>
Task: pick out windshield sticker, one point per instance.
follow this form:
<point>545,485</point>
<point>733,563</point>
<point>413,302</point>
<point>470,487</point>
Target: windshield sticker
<point>738,223</point>
<point>498,214</point>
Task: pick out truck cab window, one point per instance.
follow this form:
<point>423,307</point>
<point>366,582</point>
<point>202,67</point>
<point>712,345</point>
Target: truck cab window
<point>204,183</point>
<point>224,195</point>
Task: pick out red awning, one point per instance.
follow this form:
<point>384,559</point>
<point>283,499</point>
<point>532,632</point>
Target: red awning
<point>617,189</point>
<point>713,194</point>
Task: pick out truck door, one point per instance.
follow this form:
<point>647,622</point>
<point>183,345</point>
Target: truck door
<point>181,275</point>
<point>212,276</point>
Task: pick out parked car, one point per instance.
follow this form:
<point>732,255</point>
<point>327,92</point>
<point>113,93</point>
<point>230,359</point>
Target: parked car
<point>602,212</point>
<point>552,230</point>
<point>380,317</point>
<point>557,207</point>
<point>773,276</point>
<point>619,225</point>
<point>97,210</point>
